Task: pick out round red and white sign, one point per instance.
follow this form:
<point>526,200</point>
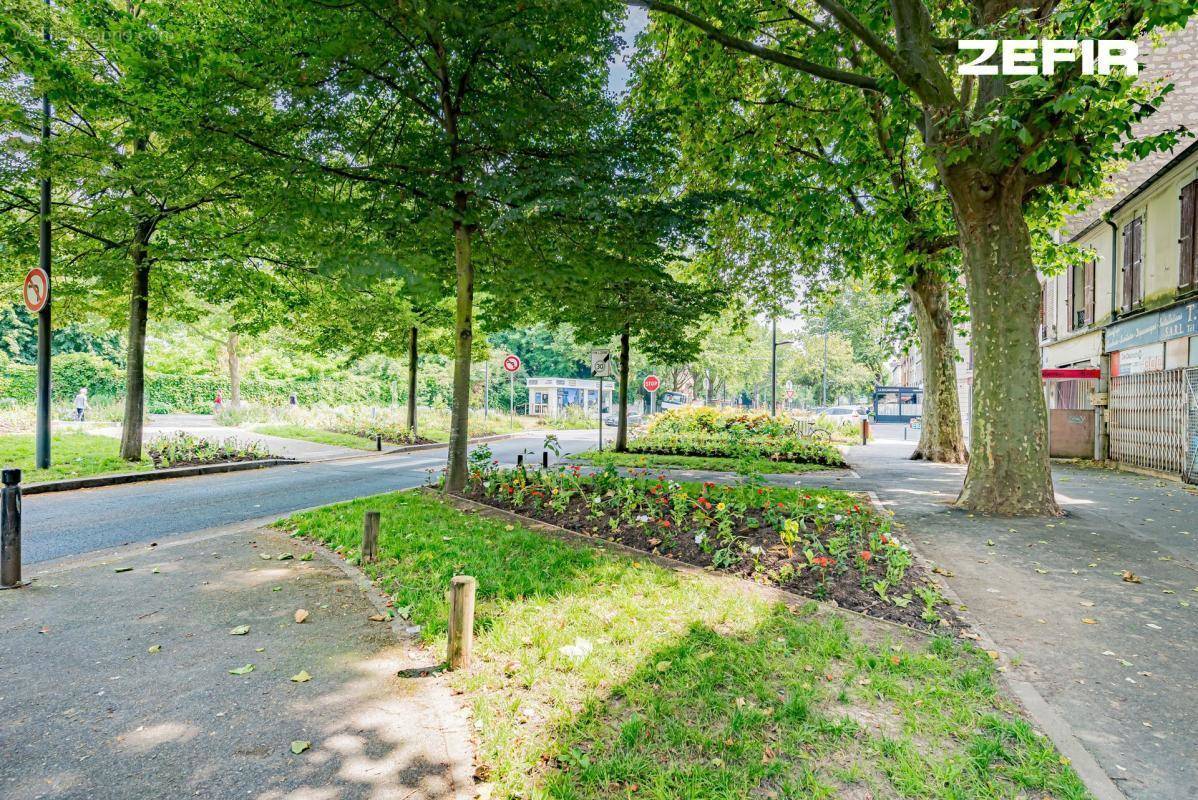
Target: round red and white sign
<point>652,383</point>
<point>511,363</point>
<point>37,289</point>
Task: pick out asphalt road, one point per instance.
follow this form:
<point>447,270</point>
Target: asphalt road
<point>62,524</point>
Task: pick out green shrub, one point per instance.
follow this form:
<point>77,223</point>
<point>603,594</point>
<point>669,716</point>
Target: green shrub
<point>739,445</point>
<point>183,449</point>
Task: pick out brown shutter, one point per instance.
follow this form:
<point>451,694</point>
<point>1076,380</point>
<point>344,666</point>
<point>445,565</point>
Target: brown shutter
<point>1069,318</point>
<point>1137,241</point>
<point>1128,261</point>
<point>1089,270</point>
<point>1189,222</point>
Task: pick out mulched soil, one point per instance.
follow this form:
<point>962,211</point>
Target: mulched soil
<point>843,589</point>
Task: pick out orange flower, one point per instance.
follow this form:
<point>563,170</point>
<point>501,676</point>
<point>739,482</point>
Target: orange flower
<point>866,555</point>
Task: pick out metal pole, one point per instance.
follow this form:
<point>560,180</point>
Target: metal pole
<point>10,529</point>
<point>486,387</point>
<point>512,399</point>
<point>601,415</point>
<point>42,446</point>
<point>774,368</point>
<point>824,389</point>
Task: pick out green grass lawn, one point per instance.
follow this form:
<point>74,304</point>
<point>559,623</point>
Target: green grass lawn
<point>316,435</point>
<point>711,463</point>
<point>599,676</point>
<point>72,455</point>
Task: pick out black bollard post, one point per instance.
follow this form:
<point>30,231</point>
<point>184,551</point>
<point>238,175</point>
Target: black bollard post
<point>544,459</point>
<point>378,442</point>
<point>520,461</point>
<point>10,529</point>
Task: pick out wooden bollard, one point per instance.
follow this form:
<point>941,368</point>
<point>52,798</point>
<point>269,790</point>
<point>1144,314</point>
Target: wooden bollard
<point>461,621</point>
<point>865,430</point>
<point>370,537</point>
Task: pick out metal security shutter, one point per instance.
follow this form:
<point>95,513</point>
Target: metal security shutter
<point>1149,420</point>
<point>1191,381</point>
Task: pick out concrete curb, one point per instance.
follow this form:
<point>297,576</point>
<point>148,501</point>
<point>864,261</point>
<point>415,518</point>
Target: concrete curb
<point>408,448</point>
<point>97,481</point>
<point>1057,729</point>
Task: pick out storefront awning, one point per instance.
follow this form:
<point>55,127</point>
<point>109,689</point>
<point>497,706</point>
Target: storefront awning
<point>1091,373</point>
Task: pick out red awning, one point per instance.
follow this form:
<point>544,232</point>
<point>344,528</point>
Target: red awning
<point>1067,374</point>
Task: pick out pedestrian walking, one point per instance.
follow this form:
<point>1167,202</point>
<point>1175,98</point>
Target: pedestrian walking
<point>218,403</point>
<point>81,404</point>
<point>293,400</point>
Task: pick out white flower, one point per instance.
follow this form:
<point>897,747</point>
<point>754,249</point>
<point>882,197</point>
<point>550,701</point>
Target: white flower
<point>700,537</point>
<point>642,518</point>
<point>837,518</point>
<point>756,550</point>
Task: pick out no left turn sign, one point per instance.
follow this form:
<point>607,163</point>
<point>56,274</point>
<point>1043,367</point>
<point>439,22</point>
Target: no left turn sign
<point>36,292</point>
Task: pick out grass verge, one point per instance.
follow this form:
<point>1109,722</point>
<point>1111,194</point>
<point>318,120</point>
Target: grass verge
<point>316,435</point>
<point>708,463</point>
<point>601,676</point>
<point>72,455</point>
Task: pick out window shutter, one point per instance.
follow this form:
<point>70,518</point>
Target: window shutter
<point>1137,241</point>
<point>1128,260</point>
<point>1187,266</point>
<point>1090,268</point>
<point>1070,319</point>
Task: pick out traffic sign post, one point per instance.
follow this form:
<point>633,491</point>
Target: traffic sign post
<point>601,368</point>
<point>512,364</point>
<point>652,383</point>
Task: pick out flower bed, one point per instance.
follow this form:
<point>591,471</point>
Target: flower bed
<point>820,543</point>
<point>185,450</point>
<point>739,445</point>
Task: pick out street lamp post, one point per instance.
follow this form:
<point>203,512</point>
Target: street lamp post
<point>775,344</point>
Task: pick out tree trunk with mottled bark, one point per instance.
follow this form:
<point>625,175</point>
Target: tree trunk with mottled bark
<point>622,421</point>
<point>234,370</point>
<point>412,354</point>
<point>1009,470</point>
<point>941,437</point>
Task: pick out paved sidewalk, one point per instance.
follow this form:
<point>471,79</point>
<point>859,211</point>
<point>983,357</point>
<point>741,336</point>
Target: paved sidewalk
<point>90,712</point>
<point>1117,660</point>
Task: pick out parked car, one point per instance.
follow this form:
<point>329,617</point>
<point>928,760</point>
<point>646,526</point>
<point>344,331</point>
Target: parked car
<point>840,414</point>
<point>612,419</point>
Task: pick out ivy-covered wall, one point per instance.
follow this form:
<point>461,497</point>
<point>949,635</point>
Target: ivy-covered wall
<point>181,393</point>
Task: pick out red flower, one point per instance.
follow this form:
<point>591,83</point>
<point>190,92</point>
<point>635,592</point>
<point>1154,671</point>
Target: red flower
<point>665,523</point>
<point>781,505</point>
<point>866,555</point>
<point>823,561</point>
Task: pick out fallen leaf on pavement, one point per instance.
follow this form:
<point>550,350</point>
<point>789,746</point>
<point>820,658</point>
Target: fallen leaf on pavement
<point>240,630</point>
<point>377,618</point>
<point>301,614</point>
<point>264,556</point>
<point>301,677</point>
<point>298,746</point>
<point>1089,621</point>
<point>306,557</point>
<point>1130,577</point>
<point>154,648</point>
<point>246,670</point>
<point>285,556</point>
<point>123,569</point>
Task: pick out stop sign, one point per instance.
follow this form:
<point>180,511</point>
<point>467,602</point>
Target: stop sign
<point>652,383</point>
<point>511,363</point>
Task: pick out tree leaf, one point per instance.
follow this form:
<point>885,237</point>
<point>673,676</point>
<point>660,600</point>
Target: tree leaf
<point>299,746</point>
<point>301,677</point>
<point>301,615</point>
<point>240,630</point>
<point>246,670</point>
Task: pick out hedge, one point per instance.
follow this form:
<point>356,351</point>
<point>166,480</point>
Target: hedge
<point>167,393</point>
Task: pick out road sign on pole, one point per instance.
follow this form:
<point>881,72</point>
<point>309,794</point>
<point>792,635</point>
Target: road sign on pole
<point>601,366</point>
<point>512,363</point>
<point>36,292</point>
<point>652,383</point>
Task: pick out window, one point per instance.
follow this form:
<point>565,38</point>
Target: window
<point>1187,268</point>
<point>1044,311</point>
<point>1079,297</point>
<point>1133,263</point>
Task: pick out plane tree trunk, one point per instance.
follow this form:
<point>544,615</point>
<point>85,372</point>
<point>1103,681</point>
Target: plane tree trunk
<point>1009,470</point>
<point>941,438</point>
<point>135,361</point>
<point>459,424</point>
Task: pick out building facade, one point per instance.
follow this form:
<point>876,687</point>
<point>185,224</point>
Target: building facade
<point>552,397</point>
